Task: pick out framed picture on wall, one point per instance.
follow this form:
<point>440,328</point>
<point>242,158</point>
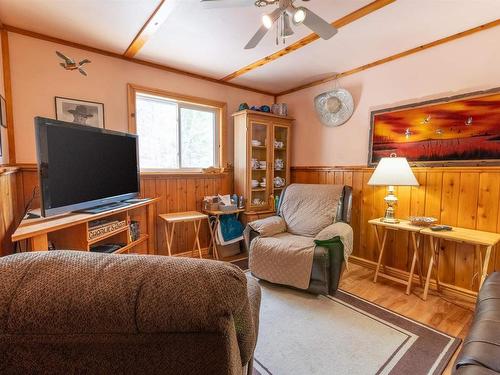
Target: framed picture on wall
<point>3,112</point>
<point>462,129</point>
<point>80,111</point>
<point>3,120</point>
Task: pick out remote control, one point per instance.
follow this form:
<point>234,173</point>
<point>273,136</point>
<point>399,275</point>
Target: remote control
<point>438,228</point>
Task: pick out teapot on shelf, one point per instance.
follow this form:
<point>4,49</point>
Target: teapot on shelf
<point>279,181</point>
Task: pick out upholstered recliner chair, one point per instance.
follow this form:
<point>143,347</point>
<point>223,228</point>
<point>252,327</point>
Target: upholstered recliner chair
<point>75,312</point>
<point>305,244</point>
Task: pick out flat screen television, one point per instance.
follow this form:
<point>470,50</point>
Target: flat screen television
<point>80,166</point>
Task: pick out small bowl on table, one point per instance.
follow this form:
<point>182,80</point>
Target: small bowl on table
<point>422,221</point>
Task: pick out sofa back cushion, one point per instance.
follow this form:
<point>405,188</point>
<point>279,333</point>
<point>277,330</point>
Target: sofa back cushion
<point>61,294</point>
<point>309,208</point>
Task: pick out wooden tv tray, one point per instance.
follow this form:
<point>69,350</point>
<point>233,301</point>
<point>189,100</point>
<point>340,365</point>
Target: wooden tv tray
<point>70,231</point>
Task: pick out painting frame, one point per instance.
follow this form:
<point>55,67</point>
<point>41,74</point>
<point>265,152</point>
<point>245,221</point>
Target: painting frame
<point>426,103</point>
<point>80,110</point>
<point>3,120</point>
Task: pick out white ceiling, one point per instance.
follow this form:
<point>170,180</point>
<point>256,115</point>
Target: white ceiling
<point>105,24</point>
<point>210,41</point>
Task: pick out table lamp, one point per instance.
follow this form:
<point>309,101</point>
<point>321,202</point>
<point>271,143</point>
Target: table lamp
<point>390,172</point>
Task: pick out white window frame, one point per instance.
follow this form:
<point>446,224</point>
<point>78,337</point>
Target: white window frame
<point>182,101</point>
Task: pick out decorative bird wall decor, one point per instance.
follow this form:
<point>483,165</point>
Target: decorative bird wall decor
<point>426,120</point>
<point>70,64</point>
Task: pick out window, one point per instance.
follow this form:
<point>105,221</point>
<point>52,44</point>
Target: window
<point>175,134</point>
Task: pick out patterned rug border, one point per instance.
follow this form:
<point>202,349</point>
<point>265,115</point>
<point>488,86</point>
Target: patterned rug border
<point>442,360</point>
<point>426,336</point>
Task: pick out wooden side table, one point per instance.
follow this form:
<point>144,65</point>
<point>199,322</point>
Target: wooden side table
<point>461,235</point>
<point>214,224</point>
<point>405,226</point>
<point>183,217</point>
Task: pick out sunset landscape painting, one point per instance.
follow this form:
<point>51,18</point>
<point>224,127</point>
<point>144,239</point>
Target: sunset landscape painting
<point>451,130</point>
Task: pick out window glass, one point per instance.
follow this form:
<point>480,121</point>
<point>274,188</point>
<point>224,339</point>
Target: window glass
<point>175,135</point>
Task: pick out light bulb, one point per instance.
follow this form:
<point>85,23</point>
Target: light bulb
<point>267,21</point>
<point>299,16</point>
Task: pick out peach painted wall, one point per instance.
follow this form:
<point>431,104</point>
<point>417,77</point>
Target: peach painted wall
<point>37,78</point>
<point>3,132</point>
<point>464,65</point>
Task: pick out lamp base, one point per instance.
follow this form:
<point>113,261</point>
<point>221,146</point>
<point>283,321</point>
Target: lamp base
<point>391,201</point>
<point>389,220</point>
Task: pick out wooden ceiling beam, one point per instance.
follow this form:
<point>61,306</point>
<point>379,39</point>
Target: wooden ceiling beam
<point>351,17</point>
<point>151,26</point>
<point>423,47</point>
<point>165,68</point>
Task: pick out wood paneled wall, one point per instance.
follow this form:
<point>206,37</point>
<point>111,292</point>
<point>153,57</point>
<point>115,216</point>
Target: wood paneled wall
<point>177,192</point>
<point>467,197</point>
<point>183,193</point>
<point>9,209</point>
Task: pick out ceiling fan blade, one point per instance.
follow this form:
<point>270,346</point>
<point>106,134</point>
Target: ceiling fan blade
<point>262,30</point>
<point>212,4</point>
<point>257,37</point>
<point>319,25</point>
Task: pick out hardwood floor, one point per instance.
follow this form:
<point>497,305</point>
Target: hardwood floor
<point>451,317</point>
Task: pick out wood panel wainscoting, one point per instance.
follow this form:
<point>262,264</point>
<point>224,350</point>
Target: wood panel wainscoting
<point>467,197</point>
<point>9,209</point>
<point>176,192</point>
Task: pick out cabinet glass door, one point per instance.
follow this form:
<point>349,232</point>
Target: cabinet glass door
<point>280,149</point>
<point>259,165</point>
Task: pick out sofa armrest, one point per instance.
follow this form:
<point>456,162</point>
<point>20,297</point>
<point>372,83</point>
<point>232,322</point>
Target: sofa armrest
<point>269,226</point>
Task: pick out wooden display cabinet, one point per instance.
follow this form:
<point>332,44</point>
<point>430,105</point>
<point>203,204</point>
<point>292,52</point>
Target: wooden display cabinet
<point>257,159</point>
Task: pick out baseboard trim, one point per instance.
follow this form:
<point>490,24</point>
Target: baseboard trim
<point>194,254</point>
<point>452,291</point>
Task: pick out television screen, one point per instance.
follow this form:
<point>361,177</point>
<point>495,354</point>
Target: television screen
<point>81,166</point>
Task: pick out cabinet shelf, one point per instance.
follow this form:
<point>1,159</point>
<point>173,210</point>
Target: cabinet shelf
<point>259,189</point>
<point>140,240</point>
<point>107,235</point>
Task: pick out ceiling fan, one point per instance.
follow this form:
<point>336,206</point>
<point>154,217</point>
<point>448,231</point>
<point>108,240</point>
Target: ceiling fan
<point>285,11</point>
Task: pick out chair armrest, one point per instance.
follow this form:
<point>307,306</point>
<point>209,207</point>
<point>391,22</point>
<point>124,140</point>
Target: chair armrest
<point>269,226</point>
<point>341,230</point>
<point>338,229</point>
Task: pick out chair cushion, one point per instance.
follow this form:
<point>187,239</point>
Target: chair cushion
<point>283,259</point>
<point>309,208</point>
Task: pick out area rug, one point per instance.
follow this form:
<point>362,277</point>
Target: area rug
<point>343,334</point>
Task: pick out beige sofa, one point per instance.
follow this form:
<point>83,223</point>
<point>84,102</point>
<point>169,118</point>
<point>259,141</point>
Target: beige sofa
<point>67,312</point>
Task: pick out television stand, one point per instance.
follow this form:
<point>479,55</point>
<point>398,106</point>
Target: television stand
<point>70,231</point>
<point>103,208</point>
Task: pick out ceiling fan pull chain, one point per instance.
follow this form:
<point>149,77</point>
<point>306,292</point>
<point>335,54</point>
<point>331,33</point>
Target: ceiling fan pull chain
<point>278,31</point>
<point>283,28</point>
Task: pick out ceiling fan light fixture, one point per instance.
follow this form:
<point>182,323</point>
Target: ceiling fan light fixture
<point>299,16</point>
<point>287,28</point>
<point>267,21</point>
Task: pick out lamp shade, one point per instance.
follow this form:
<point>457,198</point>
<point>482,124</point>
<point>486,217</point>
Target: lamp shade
<point>393,171</point>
